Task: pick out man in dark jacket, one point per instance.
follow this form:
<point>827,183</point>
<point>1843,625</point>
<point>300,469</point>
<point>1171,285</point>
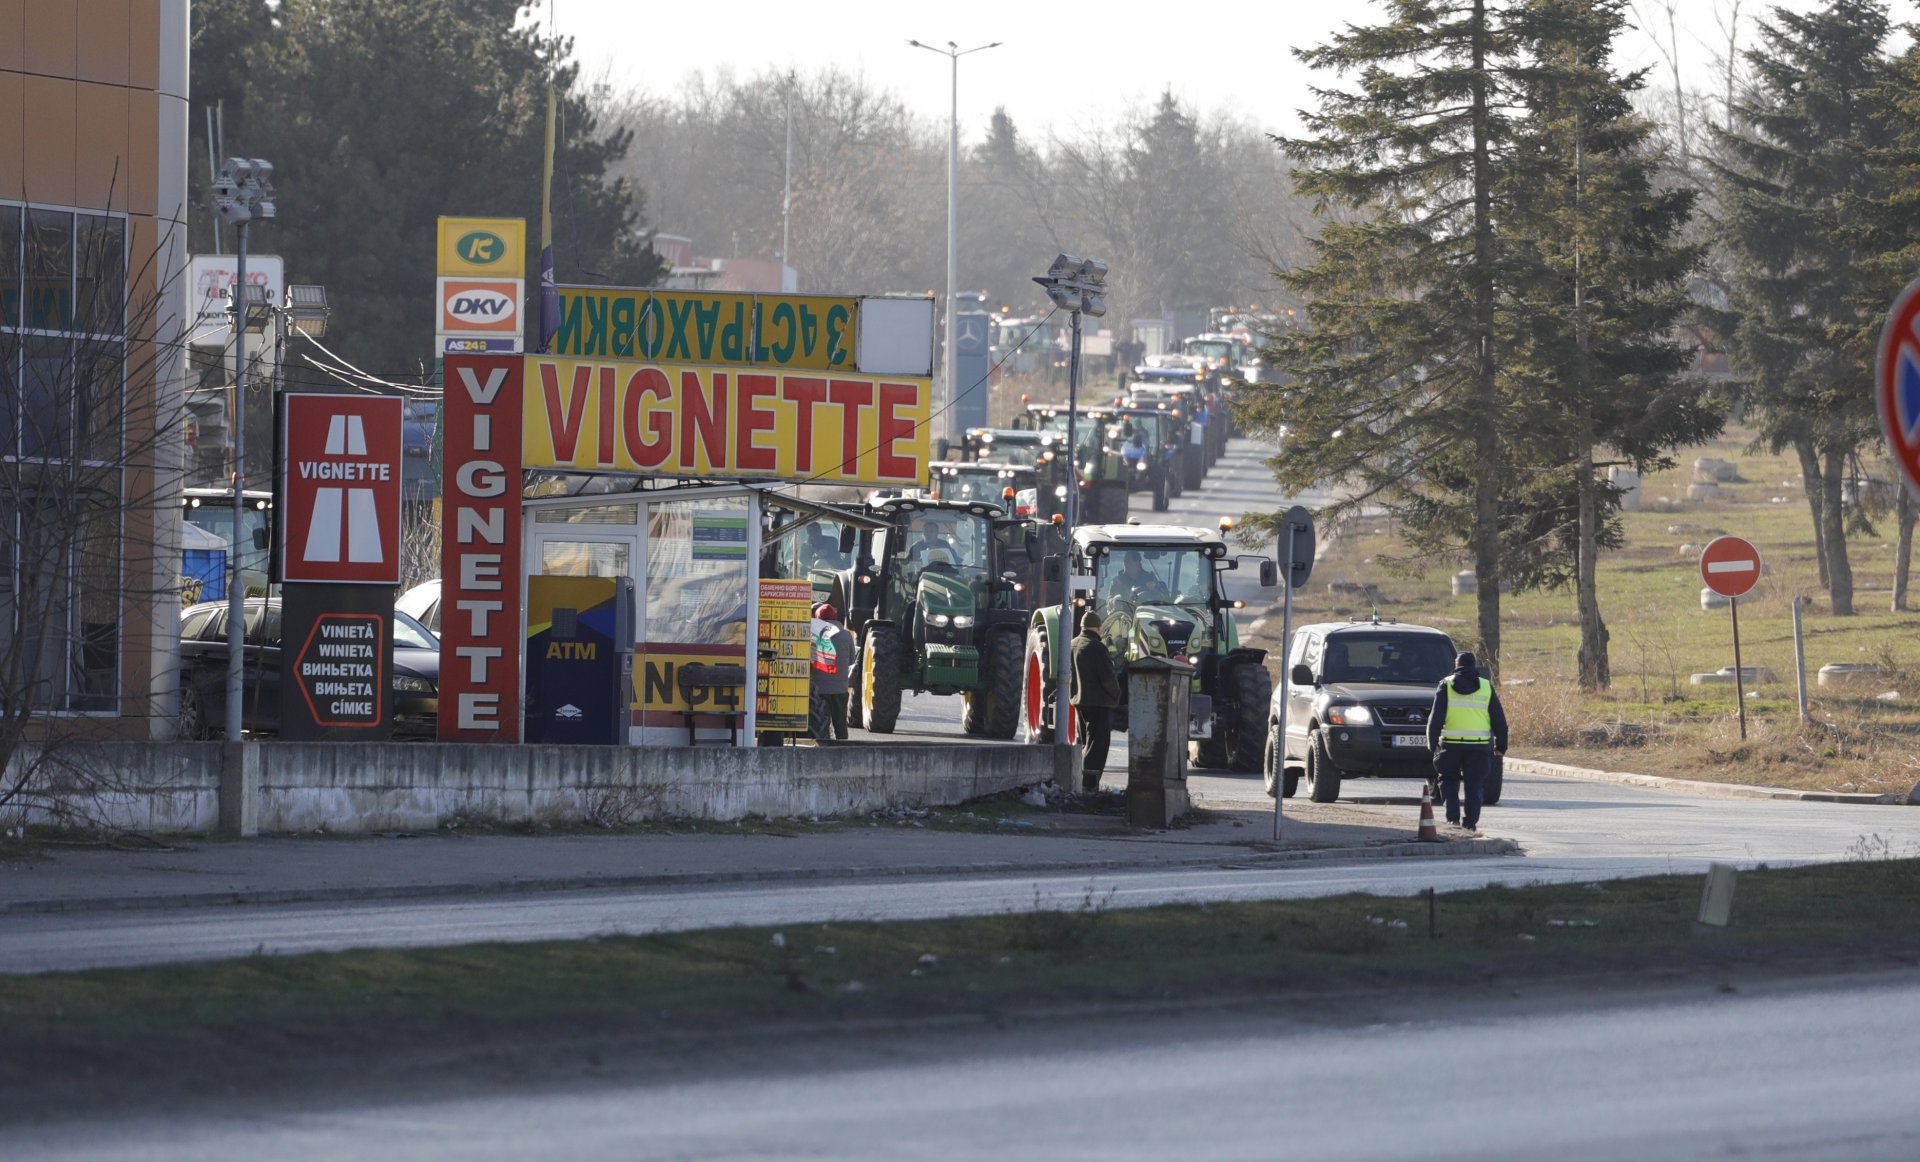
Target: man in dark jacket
<point>1467,728</point>
<point>1096,691</point>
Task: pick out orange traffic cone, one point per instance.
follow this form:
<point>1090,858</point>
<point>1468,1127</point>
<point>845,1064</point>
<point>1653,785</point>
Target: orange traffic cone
<point>1429,833</point>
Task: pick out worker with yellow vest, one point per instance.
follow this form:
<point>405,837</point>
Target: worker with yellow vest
<point>1466,729</point>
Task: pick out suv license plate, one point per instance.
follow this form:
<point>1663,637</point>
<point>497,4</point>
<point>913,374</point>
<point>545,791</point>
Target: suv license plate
<point>1419,740</point>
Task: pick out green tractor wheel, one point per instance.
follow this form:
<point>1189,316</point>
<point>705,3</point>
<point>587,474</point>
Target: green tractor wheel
<point>880,667</point>
<point>1003,680</point>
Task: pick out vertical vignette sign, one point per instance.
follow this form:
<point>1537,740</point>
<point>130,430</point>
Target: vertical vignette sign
<point>480,594</point>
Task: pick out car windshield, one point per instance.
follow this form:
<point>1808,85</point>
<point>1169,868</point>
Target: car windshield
<point>410,634</point>
<point>1154,576</point>
<point>945,537</point>
<point>972,484</point>
<point>1413,659</point>
<point>1022,454</point>
<point>1212,349</point>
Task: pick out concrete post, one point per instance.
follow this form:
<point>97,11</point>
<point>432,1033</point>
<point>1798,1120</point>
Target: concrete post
<point>239,789</point>
<point>1157,708</point>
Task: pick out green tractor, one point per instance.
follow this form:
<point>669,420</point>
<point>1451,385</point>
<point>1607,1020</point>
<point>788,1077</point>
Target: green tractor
<point>937,601</point>
<point>1099,458</point>
<point>1043,452</point>
<point>1156,589</point>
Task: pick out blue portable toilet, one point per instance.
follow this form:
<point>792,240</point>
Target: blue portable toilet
<point>203,564</point>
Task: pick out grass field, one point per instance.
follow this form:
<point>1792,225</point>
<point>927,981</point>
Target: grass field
<point>198,1029</point>
<point>1660,636</point>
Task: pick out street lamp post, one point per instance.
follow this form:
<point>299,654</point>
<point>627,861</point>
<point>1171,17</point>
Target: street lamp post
<point>953,52</point>
<point>242,193</point>
<point>1078,286</point>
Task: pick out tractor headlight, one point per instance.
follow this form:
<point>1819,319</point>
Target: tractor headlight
<point>939,619</point>
<point>1350,716</point>
<point>963,621</point>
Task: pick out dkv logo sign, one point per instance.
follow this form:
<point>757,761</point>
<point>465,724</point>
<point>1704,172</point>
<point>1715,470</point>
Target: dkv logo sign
<point>480,306</point>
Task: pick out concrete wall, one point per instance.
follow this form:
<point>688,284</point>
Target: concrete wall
<point>347,787</point>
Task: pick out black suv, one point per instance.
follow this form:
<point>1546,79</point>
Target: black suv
<point>1361,692</point>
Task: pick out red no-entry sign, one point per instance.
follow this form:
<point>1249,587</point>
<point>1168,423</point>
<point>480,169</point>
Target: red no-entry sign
<point>1897,383</point>
<point>1730,566</point>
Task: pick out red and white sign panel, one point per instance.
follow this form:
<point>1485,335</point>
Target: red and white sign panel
<point>480,573</point>
<point>340,488</point>
<point>480,306</point>
<point>1730,566</point>
<point>1897,383</point>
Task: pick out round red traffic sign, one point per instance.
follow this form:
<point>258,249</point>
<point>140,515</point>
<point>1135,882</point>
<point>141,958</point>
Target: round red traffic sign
<point>1730,566</point>
<point>1897,383</point>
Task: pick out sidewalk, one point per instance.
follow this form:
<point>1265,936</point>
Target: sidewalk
<point>285,869</point>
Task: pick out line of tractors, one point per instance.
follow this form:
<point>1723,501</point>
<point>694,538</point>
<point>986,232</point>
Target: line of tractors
<point>955,590</point>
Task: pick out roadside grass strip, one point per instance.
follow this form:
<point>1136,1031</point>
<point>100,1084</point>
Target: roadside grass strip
<point>239,1021</point>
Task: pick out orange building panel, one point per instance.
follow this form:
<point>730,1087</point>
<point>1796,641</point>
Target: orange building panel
<point>143,149</point>
<point>52,38</point>
<point>103,40</point>
<point>13,129</point>
<point>143,38</point>
<point>101,153</point>
<point>49,108</point>
<point>13,37</point>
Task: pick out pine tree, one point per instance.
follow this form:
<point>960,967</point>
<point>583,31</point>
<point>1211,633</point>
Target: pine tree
<point>1594,319</point>
<point>1394,389</point>
<point>1799,167</point>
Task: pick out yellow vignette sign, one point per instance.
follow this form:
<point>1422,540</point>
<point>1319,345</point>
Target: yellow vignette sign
<point>812,332</point>
<point>686,420</point>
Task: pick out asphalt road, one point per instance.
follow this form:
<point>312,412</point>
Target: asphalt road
<point>1572,831</point>
<point>1788,1072</point>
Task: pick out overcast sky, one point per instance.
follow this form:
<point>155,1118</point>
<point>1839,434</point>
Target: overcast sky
<point>1058,69</point>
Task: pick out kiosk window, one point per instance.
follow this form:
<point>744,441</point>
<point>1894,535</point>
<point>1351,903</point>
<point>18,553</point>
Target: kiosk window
<point>584,559</point>
<point>697,571</point>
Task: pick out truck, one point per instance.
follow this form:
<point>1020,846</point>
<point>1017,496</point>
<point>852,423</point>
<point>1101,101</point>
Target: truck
<point>1157,592</point>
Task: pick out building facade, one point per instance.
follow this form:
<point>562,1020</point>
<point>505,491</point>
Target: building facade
<point>93,259</point>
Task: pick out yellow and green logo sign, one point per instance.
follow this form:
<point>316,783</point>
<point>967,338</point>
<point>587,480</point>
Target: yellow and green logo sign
<point>494,247</point>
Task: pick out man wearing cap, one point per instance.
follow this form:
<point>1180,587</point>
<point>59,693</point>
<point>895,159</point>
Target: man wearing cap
<point>1096,691</point>
<point>1466,729</point>
<point>832,659</point>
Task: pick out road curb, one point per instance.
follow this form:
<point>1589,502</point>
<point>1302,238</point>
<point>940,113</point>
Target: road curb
<point>1248,861</point>
<point>1695,786</point>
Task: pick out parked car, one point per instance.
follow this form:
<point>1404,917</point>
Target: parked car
<point>1360,693</point>
<point>422,603</point>
<point>203,672</point>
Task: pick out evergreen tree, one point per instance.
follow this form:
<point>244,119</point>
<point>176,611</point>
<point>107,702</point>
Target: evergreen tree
<point>382,116</point>
<point>1394,390</point>
<point>1799,168</point>
<point>1603,293</point>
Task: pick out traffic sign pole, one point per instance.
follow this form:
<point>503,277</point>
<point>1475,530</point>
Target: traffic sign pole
<point>1739,675</point>
<point>1296,529</point>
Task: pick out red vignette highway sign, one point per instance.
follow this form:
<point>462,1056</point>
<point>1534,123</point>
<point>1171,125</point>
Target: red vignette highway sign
<point>1730,566</point>
<point>1897,383</point>
<point>340,492</point>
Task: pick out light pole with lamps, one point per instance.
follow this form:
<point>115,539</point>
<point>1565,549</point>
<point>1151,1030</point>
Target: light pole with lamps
<point>1079,287</point>
<point>242,193</point>
<point>953,52</point>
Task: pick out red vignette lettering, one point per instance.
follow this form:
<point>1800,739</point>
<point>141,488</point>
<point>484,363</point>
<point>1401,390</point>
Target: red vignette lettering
<point>565,431</point>
<point>893,428</point>
<point>754,417</point>
<point>851,395</point>
<point>607,380</point>
<point>803,391</point>
<point>648,453</point>
<point>705,418</point>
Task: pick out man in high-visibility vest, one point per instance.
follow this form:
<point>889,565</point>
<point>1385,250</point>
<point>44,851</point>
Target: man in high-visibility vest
<point>1466,729</point>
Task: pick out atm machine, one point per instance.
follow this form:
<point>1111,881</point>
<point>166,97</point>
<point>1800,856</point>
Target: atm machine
<point>580,634</point>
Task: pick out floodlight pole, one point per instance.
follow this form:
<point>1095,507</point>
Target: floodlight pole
<point>241,192</point>
<point>948,363</point>
<point>1063,706</point>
